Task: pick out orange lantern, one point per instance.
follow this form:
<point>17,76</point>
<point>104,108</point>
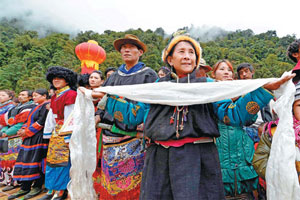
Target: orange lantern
<point>91,55</point>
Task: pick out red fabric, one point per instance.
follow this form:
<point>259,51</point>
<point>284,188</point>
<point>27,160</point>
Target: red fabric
<point>7,163</point>
<point>124,195</point>
<point>297,67</point>
<point>262,182</point>
<point>36,126</point>
<point>21,117</point>
<point>180,142</point>
<point>182,75</point>
<point>96,174</point>
<point>2,120</point>
<point>58,104</point>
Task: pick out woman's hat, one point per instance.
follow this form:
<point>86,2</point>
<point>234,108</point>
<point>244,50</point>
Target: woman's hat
<point>129,39</point>
<point>62,72</point>
<point>178,37</point>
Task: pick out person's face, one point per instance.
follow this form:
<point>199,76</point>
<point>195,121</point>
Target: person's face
<point>201,72</point>
<point>223,72</point>
<point>59,83</point>
<point>245,73</point>
<point>161,74</point>
<point>297,55</point>
<point>38,98</point>
<point>23,97</point>
<point>130,53</point>
<point>4,97</point>
<point>51,92</point>
<point>296,109</point>
<point>95,80</point>
<point>183,58</point>
<point>109,73</point>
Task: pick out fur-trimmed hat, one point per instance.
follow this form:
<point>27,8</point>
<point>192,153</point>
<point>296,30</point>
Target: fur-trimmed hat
<point>129,39</point>
<point>62,72</point>
<point>178,37</point>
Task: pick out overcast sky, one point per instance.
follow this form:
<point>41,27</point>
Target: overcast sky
<point>72,16</point>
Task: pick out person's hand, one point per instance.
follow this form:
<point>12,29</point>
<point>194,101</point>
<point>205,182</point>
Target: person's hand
<point>97,95</point>
<point>274,85</point>
<point>81,89</point>
<point>21,132</point>
<point>4,135</point>
<point>97,119</point>
<point>139,135</point>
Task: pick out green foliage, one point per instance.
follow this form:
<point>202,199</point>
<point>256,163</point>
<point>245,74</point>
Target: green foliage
<point>25,57</point>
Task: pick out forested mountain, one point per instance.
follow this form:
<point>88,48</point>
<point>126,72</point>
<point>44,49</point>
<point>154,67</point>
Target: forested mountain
<point>25,57</point>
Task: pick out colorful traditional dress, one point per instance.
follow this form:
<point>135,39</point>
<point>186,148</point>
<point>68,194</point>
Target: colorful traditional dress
<point>97,173</point>
<point>123,156</point>
<point>9,147</point>
<point>58,163</point>
<point>182,160</point>
<point>30,164</point>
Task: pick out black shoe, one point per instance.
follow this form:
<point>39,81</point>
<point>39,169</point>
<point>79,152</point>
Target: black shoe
<point>34,192</point>
<point>18,194</point>
<point>46,197</point>
<point>62,197</point>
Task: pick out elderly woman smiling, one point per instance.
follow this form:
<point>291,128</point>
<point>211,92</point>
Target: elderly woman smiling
<point>182,160</point>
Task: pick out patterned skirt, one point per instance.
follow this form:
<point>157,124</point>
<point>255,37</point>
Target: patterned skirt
<point>8,159</point>
<point>30,163</point>
<point>58,164</point>
<point>121,170</point>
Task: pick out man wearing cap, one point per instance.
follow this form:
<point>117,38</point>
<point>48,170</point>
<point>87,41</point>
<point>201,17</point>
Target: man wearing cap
<point>123,157</point>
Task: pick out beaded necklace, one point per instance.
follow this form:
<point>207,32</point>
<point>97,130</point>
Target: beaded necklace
<point>178,110</point>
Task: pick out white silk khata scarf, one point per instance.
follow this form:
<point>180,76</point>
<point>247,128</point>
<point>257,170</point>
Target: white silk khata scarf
<point>183,94</point>
<point>281,172</point>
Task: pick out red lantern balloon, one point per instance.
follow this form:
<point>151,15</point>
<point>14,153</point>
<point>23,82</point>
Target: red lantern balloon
<point>91,55</point>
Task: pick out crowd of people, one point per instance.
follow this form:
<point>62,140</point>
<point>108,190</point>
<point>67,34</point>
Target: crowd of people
<point>145,151</point>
